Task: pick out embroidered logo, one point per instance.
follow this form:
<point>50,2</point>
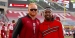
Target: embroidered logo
<point>28,22</point>
<point>50,30</point>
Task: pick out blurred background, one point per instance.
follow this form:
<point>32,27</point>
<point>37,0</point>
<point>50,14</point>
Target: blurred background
<point>64,9</point>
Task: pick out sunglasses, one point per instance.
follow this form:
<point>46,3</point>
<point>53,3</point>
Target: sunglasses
<point>33,9</point>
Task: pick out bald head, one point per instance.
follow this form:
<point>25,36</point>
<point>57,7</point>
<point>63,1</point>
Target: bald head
<point>32,5</point>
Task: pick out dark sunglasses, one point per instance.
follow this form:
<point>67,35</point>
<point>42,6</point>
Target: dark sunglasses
<point>33,9</point>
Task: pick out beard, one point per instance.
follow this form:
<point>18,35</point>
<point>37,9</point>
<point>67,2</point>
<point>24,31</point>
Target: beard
<point>48,18</point>
<point>33,15</point>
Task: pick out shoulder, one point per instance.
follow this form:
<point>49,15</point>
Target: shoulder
<point>22,18</point>
<point>37,19</point>
<point>41,24</point>
<point>58,23</point>
<point>41,27</point>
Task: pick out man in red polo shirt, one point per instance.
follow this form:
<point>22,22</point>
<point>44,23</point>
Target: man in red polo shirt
<point>50,28</point>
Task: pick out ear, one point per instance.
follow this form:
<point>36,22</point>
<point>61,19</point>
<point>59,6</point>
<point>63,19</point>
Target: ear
<point>28,9</point>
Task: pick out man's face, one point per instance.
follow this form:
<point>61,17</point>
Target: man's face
<point>32,10</point>
<point>47,14</point>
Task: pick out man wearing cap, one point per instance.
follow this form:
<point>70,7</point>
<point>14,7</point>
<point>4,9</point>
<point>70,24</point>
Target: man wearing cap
<point>50,28</point>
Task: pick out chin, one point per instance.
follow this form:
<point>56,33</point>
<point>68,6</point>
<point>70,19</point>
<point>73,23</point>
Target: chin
<point>33,15</point>
<point>48,17</point>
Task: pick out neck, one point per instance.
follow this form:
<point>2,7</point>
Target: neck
<point>33,17</point>
<point>13,23</point>
<point>48,20</point>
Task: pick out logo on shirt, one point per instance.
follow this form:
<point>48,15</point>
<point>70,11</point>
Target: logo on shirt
<point>28,22</point>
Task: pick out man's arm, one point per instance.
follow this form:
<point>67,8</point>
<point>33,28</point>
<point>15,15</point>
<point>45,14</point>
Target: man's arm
<point>17,28</point>
<point>61,34</point>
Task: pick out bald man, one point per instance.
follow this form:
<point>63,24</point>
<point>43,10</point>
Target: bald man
<point>28,26</point>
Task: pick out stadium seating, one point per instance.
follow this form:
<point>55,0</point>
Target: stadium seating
<point>56,6</point>
<point>44,5</point>
<point>53,6</point>
<point>17,14</point>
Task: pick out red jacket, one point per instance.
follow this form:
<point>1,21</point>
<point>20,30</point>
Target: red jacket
<point>3,32</point>
<point>25,28</point>
<point>11,27</point>
<point>52,29</point>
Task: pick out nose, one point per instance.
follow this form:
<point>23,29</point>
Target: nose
<point>48,13</point>
<point>33,10</point>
